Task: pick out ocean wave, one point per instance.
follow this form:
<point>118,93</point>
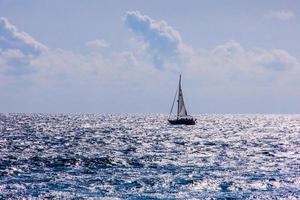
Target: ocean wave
<point>130,156</point>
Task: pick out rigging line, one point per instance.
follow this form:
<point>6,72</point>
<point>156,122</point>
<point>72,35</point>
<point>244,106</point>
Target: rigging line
<point>173,103</point>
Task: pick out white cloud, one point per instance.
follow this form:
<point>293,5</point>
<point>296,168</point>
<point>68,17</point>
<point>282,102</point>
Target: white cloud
<point>232,69</point>
<point>97,44</point>
<point>164,42</point>
<point>17,49</point>
<point>12,38</point>
<point>282,15</point>
<point>234,54</point>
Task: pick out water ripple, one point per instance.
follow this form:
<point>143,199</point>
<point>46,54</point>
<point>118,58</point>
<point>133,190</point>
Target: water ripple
<point>142,157</point>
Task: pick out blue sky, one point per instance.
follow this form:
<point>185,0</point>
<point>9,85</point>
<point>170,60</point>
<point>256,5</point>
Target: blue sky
<point>125,56</point>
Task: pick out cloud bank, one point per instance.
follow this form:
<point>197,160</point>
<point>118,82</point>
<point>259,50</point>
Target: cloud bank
<point>231,64</point>
<point>226,69</point>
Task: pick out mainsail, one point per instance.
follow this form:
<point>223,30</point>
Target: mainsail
<point>181,112</point>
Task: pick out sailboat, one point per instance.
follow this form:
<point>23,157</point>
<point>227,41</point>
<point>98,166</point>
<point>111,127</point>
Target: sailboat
<point>182,116</point>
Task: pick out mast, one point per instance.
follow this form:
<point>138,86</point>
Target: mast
<point>179,93</point>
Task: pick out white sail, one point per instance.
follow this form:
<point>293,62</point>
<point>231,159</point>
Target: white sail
<point>182,116</point>
<point>181,107</point>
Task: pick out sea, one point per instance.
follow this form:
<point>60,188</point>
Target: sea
<point>141,156</point>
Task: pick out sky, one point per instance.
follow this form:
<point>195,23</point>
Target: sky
<point>113,56</point>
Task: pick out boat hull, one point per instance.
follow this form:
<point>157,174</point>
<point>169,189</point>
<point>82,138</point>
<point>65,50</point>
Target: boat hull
<point>182,121</point>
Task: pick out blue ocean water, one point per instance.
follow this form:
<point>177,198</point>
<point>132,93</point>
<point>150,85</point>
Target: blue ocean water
<point>89,156</point>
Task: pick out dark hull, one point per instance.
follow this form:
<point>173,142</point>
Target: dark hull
<point>182,121</point>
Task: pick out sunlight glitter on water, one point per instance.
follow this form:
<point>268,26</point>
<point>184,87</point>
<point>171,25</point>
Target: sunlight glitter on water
<point>141,157</point>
